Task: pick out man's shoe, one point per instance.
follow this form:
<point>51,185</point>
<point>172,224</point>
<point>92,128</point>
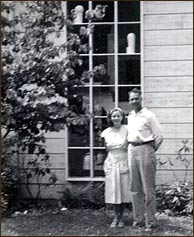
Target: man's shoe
<point>150,227</point>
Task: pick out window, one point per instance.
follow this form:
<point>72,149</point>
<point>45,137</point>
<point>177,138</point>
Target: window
<point>115,47</point>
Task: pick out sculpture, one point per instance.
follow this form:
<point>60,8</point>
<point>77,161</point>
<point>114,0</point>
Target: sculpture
<point>77,13</point>
<point>131,43</point>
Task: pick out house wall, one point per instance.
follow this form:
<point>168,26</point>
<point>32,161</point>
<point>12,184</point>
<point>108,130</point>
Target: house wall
<point>168,83</point>
<point>168,79</point>
<point>56,148</point>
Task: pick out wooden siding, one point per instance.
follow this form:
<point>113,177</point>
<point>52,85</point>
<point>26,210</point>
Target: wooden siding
<point>181,115</point>
<point>171,21</point>
<point>165,52</point>
<point>56,148</point>
<point>168,68</point>
<point>169,99</point>
<point>168,7</point>
<point>168,176</point>
<point>170,146</point>
<point>168,37</point>
<point>168,79</point>
<point>48,192</point>
<point>168,84</point>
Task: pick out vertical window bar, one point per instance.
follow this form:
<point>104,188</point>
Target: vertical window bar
<point>91,98</point>
<point>116,51</point>
<point>141,51</point>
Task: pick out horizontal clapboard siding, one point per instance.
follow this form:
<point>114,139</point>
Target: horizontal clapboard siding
<point>47,192</point>
<point>169,177</point>
<point>169,21</point>
<point>180,115</point>
<point>168,53</point>
<point>177,131</point>
<point>168,84</point>
<point>168,7</point>
<point>171,162</point>
<point>56,148</point>
<point>168,37</point>
<point>168,68</point>
<point>170,99</point>
<point>55,160</point>
<point>59,174</point>
<point>170,146</point>
<point>168,80</point>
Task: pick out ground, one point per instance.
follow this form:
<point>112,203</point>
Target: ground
<point>87,222</point>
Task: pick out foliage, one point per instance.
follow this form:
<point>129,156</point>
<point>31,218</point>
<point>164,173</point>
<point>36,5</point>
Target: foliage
<point>97,14</point>
<point>183,157</point>
<point>176,199</point>
<point>39,78</point>
<point>36,169</point>
<point>9,179</point>
<point>35,86</point>
<point>88,196</point>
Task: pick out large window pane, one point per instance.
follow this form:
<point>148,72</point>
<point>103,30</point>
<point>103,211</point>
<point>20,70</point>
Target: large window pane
<point>78,135</point>
<point>99,158</point>
<point>83,67</point>
<point>103,65</point>
<point>103,39</point>
<point>98,126</point>
<point>124,98</point>
<point>109,13</point>
<point>79,163</point>
<point>128,11</point>
<point>123,31</point>
<point>129,69</point>
<point>84,41</point>
<point>71,5</point>
<point>103,97</point>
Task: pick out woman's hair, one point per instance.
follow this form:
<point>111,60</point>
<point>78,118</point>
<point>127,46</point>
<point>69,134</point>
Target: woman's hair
<point>110,123</point>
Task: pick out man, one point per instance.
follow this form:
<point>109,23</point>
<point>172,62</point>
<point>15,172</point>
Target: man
<point>144,138</point>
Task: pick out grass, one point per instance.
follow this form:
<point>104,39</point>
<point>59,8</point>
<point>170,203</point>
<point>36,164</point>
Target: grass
<point>87,222</point>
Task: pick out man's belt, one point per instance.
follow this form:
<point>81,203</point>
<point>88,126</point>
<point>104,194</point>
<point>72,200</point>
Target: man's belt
<point>140,143</point>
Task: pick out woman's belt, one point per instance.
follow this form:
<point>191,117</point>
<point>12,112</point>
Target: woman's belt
<point>140,143</point>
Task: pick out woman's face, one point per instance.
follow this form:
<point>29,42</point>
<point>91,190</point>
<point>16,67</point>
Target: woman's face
<point>116,118</point>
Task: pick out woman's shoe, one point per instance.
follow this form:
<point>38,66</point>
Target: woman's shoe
<point>114,223</point>
<point>121,223</point>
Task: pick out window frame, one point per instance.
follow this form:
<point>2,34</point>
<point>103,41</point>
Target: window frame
<point>116,85</point>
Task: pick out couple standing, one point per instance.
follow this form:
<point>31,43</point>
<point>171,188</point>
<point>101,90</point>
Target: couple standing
<point>131,162</point>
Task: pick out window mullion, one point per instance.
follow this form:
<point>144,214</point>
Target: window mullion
<point>141,51</point>
<point>116,51</point>
<point>91,99</point>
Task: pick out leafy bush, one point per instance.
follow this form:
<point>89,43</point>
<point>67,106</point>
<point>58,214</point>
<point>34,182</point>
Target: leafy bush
<point>176,199</point>
<point>9,188</point>
<point>87,196</point>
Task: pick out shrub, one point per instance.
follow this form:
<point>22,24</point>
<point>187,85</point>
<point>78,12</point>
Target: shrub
<point>176,199</point>
<point>9,188</point>
<point>87,196</point>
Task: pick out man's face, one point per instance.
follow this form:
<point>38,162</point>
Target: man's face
<point>135,101</point>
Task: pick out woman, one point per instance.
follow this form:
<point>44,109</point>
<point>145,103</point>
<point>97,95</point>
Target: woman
<point>116,165</point>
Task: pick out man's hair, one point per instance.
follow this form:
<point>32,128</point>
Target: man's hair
<point>136,91</point>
